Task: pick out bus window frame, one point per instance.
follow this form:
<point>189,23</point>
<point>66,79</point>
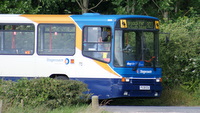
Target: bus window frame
<point>74,47</point>
<point>154,31</point>
<point>110,42</point>
<point>2,30</point>
<point>155,22</point>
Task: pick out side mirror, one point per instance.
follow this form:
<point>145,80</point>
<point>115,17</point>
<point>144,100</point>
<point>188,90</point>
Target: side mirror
<point>167,37</point>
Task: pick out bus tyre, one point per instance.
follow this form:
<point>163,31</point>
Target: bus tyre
<point>61,78</point>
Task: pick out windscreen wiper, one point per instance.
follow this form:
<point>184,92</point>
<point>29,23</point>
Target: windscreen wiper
<point>152,60</point>
<point>148,61</point>
<point>136,66</point>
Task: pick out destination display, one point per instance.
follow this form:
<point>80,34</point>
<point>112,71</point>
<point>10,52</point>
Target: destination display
<point>139,24</point>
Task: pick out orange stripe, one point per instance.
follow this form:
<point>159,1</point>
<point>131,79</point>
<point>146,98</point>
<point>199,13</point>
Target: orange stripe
<point>57,19</point>
<point>49,18</point>
<point>66,19</point>
<point>106,67</point>
<point>78,38</point>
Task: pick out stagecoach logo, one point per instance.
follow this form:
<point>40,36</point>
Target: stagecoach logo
<point>66,61</point>
<point>58,60</point>
<point>54,60</point>
<point>134,63</point>
<point>141,71</point>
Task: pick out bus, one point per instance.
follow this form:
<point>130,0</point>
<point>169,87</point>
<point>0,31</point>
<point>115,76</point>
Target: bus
<point>115,55</point>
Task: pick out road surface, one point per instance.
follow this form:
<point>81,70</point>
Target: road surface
<point>151,109</point>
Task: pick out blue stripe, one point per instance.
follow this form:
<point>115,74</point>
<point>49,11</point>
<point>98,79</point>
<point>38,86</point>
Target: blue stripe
<point>15,78</point>
<point>113,88</point>
<point>139,73</point>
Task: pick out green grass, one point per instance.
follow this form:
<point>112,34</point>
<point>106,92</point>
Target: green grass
<point>42,109</point>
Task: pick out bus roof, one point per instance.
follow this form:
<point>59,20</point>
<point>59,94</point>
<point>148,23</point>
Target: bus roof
<point>97,19</point>
<point>86,18</point>
<point>95,16</point>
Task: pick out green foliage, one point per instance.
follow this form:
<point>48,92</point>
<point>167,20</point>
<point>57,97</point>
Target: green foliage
<point>50,92</point>
<point>18,7</point>
<point>172,9</point>
<point>129,7</point>
<point>180,58</point>
<point>38,7</point>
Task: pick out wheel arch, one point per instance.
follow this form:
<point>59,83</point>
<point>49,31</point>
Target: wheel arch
<point>54,76</point>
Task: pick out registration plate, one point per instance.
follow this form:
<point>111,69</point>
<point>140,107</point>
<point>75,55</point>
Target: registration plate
<point>144,87</point>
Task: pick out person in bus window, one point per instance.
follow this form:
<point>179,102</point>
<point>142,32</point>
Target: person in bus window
<point>99,47</point>
<point>103,47</point>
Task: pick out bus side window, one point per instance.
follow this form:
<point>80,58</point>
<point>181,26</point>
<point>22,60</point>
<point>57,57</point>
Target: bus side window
<point>56,39</point>
<point>17,39</point>
<point>96,43</point>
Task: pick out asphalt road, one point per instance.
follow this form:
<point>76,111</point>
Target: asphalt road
<point>151,109</point>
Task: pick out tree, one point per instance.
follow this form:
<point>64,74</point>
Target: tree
<point>83,4</point>
<point>17,7</point>
<point>130,6</point>
<point>38,7</point>
<point>163,9</point>
<point>55,6</point>
<point>164,6</point>
<point>168,9</point>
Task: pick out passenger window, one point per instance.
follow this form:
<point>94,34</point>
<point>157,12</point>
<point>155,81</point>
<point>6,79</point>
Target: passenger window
<point>17,39</point>
<point>97,43</point>
<point>56,39</point>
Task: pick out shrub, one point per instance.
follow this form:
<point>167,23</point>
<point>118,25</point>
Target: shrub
<point>51,92</point>
<point>180,58</point>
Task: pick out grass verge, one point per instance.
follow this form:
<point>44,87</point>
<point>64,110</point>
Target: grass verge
<point>42,109</point>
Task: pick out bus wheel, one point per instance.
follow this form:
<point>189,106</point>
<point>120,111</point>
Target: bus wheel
<point>61,78</point>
